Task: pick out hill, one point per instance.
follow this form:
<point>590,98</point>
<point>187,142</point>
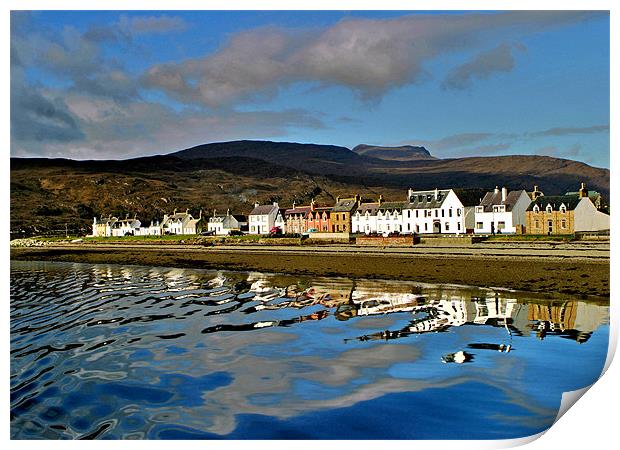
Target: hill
<point>46,194</point>
<point>402,153</point>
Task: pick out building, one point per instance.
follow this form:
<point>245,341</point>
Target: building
<point>223,224</point>
<point>595,197</point>
<point>342,214</point>
<point>103,227</point>
<point>365,218</point>
<point>390,217</point>
<point>319,218</point>
<point>180,223</point>
<point>565,214</point>
<point>297,219</point>
<point>125,227</point>
<point>435,211</point>
<point>501,211</point>
<point>280,221</point>
<point>262,218</point>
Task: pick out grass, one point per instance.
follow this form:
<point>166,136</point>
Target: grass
<point>532,237</point>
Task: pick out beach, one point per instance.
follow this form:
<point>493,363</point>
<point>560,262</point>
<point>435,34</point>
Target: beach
<point>576,268</point>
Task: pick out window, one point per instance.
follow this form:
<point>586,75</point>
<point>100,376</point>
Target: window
<point>479,225</point>
<point>536,209</point>
<point>550,226</point>
<point>479,209</point>
<point>417,228</point>
<point>458,212</point>
<point>442,213</point>
<point>563,209</point>
<point>447,227</point>
<point>458,226</point>
<point>564,223</point>
<point>436,213</point>
<point>425,227</point>
<point>536,224</point>
<point>450,212</point>
<point>549,208</point>
<point>501,225</point>
<point>408,227</point>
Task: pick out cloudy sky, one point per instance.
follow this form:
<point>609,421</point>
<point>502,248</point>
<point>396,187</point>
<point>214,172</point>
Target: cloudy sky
<point>104,84</point>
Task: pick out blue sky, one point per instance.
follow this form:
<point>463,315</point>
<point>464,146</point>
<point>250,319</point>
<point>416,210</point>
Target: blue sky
<point>105,84</point>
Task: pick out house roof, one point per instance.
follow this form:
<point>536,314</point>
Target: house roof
<point>426,199</point>
<point>345,205</point>
<point>263,210</point>
<point>371,208</point>
<point>181,216</point>
<point>385,206</point>
<point>570,201</point>
<point>303,210</point>
<point>493,198</point>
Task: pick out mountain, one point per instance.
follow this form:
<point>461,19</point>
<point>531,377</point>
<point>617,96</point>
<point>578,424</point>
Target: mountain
<point>46,194</point>
<point>402,153</point>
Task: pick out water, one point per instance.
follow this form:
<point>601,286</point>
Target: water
<point>104,351</point>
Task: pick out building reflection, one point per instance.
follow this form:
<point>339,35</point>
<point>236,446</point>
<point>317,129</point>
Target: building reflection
<point>430,309</point>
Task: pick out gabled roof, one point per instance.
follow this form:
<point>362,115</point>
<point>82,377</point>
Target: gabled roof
<point>263,210</point>
<point>302,210</point>
<point>345,205</point>
<point>570,201</point>
<point>493,198</point>
<point>385,206</point>
<point>370,208</point>
<point>426,199</point>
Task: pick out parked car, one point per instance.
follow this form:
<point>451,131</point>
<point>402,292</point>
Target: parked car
<point>275,231</point>
<point>313,230</point>
<point>235,233</point>
<point>208,233</point>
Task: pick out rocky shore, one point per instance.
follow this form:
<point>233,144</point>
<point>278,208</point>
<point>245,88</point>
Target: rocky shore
<point>573,271</point>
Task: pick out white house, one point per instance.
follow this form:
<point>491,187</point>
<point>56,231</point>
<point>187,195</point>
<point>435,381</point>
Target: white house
<point>222,225</point>
<point>502,212</point>
<point>390,217</point>
<point>103,227</point>
<point>588,218</point>
<point>364,220</point>
<point>125,227</point>
<point>154,229</point>
<point>262,218</point>
<point>180,223</point>
<point>280,220</point>
<point>435,211</point>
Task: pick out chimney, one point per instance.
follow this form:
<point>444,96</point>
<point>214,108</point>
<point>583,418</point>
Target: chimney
<point>504,194</point>
<point>337,199</point>
<point>187,211</point>
<point>496,191</point>
<point>200,215</point>
<point>256,204</point>
<point>583,192</point>
<point>275,204</point>
<point>312,205</point>
<point>175,211</point>
<point>409,194</point>
<point>436,193</point>
<point>381,198</point>
<point>228,211</point>
<point>293,204</point>
<point>214,211</point>
<point>357,198</point>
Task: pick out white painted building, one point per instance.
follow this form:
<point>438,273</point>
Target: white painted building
<point>435,211</point>
<point>154,229</point>
<point>364,220</point>
<point>390,217</point>
<point>280,220</point>
<point>588,218</point>
<point>222,225</point>
<point>180,223</point>
<point>125,227</point>
<point>262,218</point>
<point>501,211</point>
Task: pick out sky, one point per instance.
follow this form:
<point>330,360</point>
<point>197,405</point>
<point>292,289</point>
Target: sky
<point>116,85</point>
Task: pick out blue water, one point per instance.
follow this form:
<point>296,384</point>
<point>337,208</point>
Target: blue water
<point>129,352</point>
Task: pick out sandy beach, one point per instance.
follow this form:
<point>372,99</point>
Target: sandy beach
<point>579,269</point>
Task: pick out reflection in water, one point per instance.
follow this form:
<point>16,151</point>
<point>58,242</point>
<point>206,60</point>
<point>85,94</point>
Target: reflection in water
<point>135,352</point>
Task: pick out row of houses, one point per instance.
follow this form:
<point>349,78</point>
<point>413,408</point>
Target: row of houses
<point>437,211</point>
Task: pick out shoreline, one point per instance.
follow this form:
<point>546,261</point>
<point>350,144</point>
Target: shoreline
<point>559,273</point>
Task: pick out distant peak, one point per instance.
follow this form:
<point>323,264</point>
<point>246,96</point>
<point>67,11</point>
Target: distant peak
<point>402,152</point>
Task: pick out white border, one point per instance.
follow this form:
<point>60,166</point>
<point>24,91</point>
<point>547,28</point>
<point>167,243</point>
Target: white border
<point>591,424</point>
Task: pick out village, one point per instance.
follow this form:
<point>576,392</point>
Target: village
<point>427,212</point>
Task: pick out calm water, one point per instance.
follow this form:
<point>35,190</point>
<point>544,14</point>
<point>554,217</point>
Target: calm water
<point>104,351</point>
